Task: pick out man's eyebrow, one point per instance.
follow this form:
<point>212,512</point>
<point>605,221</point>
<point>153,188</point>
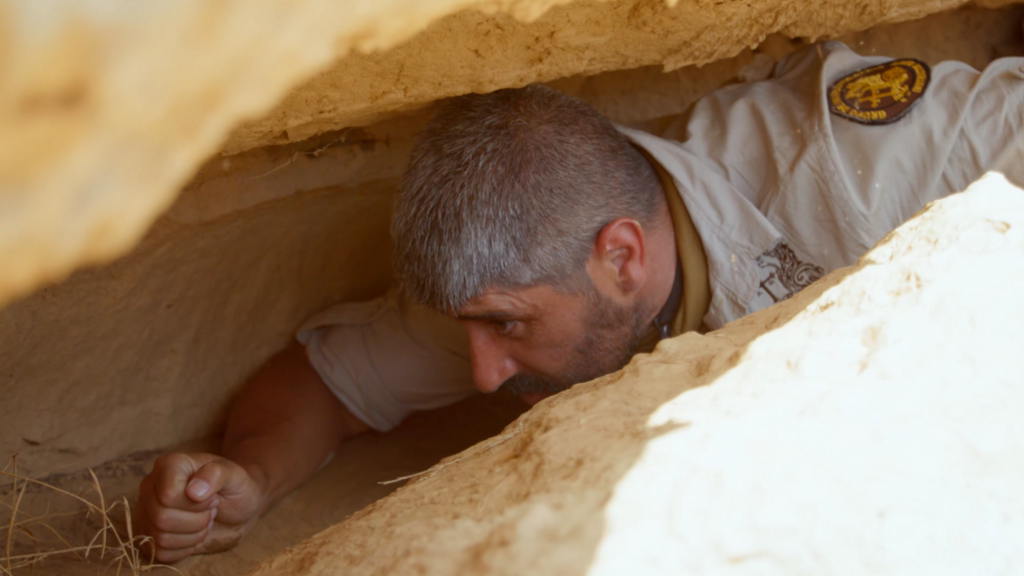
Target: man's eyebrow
<point>490,316</point>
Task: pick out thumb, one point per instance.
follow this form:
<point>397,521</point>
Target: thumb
<point>217,477</point>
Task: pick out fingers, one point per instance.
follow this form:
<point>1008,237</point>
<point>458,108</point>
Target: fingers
<point>220,477</point>
<point>175,534</point>
<point>170,476</point>
<point>176,522</point>
<point>184,494</point>
<point>167,555</point>
<point>172,521</point>
<point>171,546</point>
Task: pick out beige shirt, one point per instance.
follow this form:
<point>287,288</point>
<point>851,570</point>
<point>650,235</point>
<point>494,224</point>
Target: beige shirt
<point>779,190</point>
<point>387,358</point>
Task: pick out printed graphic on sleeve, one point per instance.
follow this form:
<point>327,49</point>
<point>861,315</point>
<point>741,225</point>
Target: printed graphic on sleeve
<point>783,274</point>
<point>880,94</point>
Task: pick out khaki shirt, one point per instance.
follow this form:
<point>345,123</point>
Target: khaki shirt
<point>779,189</point>
<point>387,358</point>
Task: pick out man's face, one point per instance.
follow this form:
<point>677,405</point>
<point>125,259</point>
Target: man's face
<point>537,341</point>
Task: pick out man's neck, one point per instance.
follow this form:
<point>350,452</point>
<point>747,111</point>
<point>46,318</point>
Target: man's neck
<point>665,288</point>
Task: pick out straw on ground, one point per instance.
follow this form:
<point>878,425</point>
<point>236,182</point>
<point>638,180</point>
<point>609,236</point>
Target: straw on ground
<point>113,542</point>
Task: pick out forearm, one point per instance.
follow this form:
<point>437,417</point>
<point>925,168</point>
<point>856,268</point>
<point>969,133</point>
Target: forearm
<point>275,462</point>
<point>285,424</point>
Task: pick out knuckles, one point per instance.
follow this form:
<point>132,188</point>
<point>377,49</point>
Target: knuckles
<point>161,520</point>
<point>162,541</point>
<point>173,542</point>
<point>167,520</point>
<point>167,496</point>
<point>172,460</point>
<point>167,480</point>
<point>159,494</point>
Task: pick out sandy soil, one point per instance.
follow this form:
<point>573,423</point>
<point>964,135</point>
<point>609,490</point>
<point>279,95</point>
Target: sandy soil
<point>349,483</point>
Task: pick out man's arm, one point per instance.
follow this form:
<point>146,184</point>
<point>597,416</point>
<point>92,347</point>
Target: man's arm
<point>281,429</point>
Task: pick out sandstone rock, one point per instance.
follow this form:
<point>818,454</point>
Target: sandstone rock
<point>145,352</point>
<point>108,107</point>
<point>878,432</point>
<point>533,41</point>
<point>871,424</point>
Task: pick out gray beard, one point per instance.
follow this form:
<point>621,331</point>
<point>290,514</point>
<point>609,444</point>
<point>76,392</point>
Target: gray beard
<point>611,336</point>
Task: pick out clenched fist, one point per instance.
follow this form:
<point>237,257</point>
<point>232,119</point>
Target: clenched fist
<point>282,428</point>
<point>197,503</point>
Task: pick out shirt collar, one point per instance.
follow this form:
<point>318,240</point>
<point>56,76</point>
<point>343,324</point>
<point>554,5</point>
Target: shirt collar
<point>691,295</point>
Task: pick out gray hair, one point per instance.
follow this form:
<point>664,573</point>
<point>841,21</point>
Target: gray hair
<point>510,189</point>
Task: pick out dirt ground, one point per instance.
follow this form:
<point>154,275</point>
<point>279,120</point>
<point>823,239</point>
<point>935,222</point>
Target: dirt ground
<point>350,482</point>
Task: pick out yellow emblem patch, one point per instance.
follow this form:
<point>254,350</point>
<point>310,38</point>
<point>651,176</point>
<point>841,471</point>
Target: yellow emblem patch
<point>880,94</point>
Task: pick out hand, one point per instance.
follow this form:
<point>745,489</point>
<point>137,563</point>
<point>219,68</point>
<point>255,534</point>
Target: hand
<point>197,504</point>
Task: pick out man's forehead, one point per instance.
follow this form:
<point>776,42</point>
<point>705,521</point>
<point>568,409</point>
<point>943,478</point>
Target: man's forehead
<point>506,303</point>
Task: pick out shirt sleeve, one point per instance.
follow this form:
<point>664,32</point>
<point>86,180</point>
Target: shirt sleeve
<point>992,136</point>
<point>387,358</point>
<point>966,124</point>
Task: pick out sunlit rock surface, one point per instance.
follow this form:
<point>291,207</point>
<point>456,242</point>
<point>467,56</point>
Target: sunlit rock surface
<point>871,424</point>
<point>878,432</point>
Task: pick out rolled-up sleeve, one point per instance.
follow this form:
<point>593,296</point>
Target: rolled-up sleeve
<point>387,358</point>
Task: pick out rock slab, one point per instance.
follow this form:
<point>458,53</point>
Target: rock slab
<point>871,424</point>
<point>109,107</point>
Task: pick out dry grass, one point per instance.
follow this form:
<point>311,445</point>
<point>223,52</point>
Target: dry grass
<point>113,541</point>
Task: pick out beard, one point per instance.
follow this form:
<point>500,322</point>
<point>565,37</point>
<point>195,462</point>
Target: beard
<point>611,336</point>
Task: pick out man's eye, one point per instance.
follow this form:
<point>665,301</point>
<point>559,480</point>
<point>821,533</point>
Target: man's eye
<point>504,326</point>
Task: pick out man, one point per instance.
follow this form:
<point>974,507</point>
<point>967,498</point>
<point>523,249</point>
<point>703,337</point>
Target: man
<point>563,246</point>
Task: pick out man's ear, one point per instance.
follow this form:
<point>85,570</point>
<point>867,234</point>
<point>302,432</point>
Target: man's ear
<point>617,259</point>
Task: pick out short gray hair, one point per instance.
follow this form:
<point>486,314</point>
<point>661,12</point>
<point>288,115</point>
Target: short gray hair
<point>510,189</point>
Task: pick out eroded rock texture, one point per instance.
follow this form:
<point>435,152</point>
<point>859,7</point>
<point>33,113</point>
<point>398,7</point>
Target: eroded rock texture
<point>108,108</point>
<point>871,424</point>
<point>147,351</point>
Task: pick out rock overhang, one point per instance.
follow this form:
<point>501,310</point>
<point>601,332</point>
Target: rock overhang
<point>110,108</point>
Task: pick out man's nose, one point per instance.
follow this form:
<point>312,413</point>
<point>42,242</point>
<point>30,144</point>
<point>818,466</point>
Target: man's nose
<point>491,364</point>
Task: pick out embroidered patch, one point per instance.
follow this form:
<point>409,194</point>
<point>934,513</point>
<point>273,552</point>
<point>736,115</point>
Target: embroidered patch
<point>786,274</point>
<point>880,94</point>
